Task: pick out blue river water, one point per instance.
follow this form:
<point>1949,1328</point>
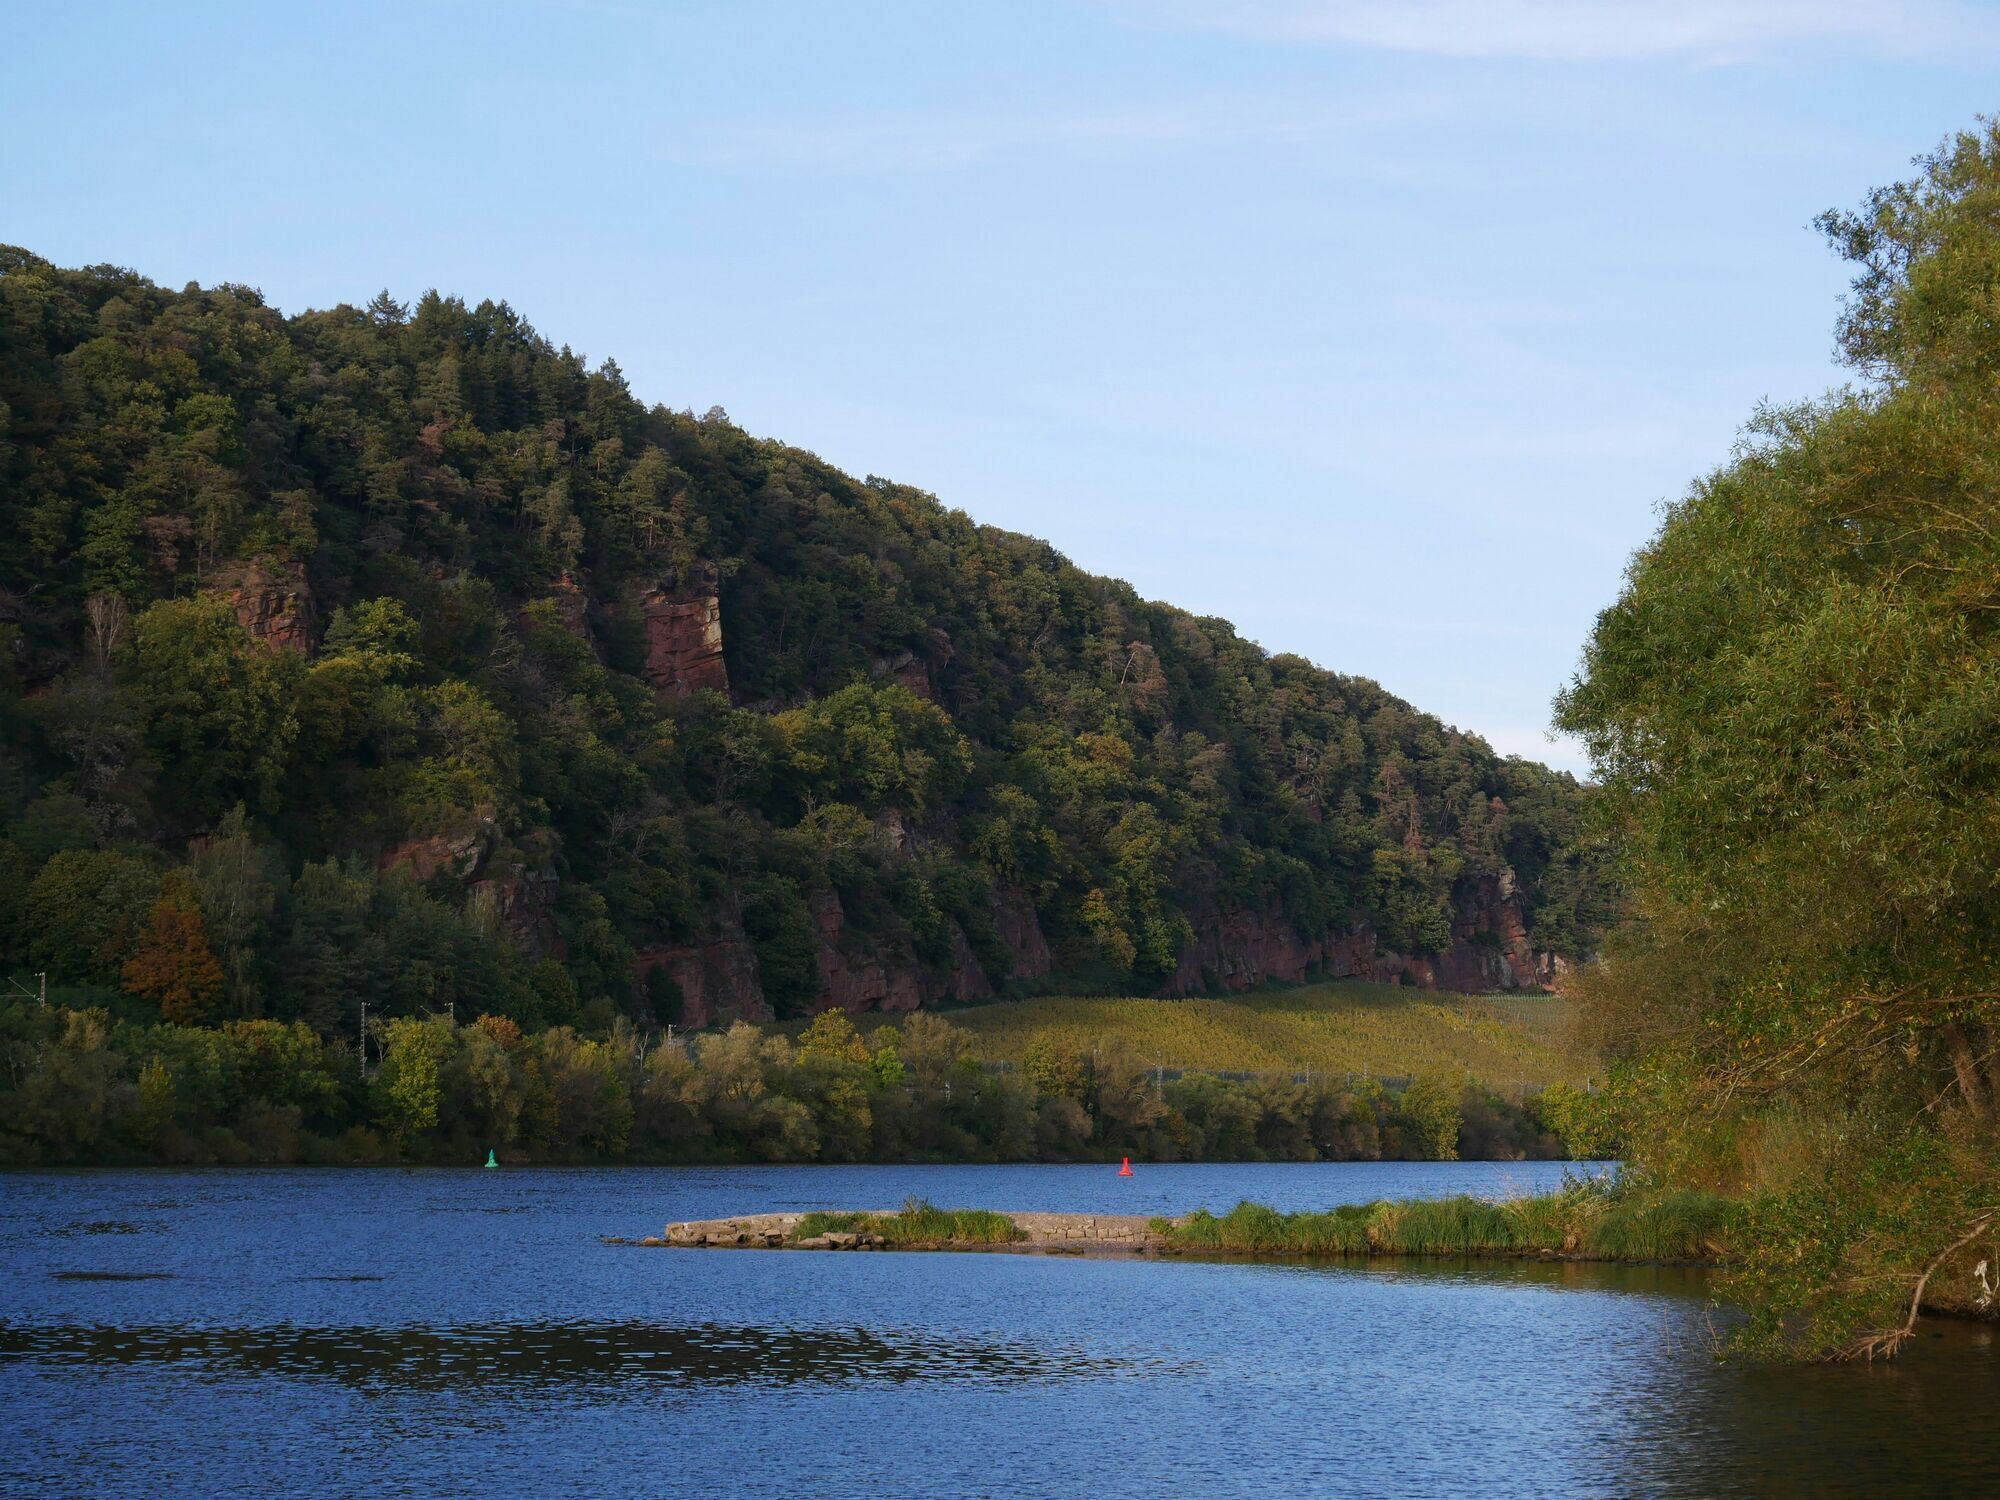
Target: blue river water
<point>378,1332</point>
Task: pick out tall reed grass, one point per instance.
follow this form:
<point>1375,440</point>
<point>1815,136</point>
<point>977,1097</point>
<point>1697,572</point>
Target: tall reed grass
<point>1585,1219</point>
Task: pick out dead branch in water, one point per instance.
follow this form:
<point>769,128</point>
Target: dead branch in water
<point>1885,1342</point>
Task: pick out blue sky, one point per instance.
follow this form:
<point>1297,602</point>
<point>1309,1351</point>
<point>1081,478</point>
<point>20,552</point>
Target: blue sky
<point>1381,329</point>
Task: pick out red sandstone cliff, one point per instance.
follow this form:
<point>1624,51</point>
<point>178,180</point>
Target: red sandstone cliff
<point>1490,950</point>
<point>273,600</point>
<point>857,981</point>
<point>684,636</point>
<point>1233,950</point>
<point>916,670</point>
<point>717,976</point>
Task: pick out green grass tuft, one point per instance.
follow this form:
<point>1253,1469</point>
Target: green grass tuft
<point>918,1222</point>
<point>1448,1226</point>
<point>1663,1226</point>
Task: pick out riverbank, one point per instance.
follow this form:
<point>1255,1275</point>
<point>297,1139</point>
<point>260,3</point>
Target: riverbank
<point>81,1088</point>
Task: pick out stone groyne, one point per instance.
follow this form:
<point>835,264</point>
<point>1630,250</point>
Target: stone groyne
<point>1040,1234</point>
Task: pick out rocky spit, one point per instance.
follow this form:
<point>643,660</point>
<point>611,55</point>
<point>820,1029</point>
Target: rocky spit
<point>1044,1234</point>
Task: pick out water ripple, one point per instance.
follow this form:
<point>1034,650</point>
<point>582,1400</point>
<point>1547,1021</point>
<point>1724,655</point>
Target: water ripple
<point>537,1356</point>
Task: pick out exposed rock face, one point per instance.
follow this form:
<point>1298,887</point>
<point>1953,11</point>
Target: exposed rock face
<point>966,982</point>
<point>1490,947</point>
<point>458,855</point>
<point>894,833</point>
<point>914,669</point>
<point>1021,930</point>
<point>684,637</point>
<point>718,977</point>
<point>1234,950</point>
<point>272,600</point>
<point>520,896</point>
<point>524,903</point>
<point>1490,950</point>
<point>907,668</point>
<point>857,983</point>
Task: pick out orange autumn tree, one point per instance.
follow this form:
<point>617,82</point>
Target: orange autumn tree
<point>174,964</point>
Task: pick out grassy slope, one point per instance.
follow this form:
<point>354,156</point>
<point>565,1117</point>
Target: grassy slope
<point>1344,1027</point>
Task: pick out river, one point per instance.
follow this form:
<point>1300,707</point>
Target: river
<point>360,1333</point>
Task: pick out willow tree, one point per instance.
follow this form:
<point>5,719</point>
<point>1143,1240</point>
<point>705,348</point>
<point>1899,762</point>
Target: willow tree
<point>1794,707</point>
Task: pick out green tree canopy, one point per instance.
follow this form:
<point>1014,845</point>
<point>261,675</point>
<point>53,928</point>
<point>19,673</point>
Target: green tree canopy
<point>1795,707</point>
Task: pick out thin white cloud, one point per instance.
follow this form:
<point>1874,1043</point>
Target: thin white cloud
<point>1712,31</point>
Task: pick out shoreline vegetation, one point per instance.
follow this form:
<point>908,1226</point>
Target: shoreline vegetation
<point>78,1087</point>
<point>1588,1219</point>
<point>1792,709</point>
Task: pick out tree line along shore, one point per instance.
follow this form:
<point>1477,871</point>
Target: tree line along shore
<point>78,1087</point>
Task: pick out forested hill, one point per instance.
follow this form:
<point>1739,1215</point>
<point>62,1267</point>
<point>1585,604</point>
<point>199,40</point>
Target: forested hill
<point>393,653</point>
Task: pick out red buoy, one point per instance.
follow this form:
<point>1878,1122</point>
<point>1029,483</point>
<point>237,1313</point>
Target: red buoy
<point>1125,1167</point>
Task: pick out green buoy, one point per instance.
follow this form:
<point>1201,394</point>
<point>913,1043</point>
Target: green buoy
<point>492,1160</point>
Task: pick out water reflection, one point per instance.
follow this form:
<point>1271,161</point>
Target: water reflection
<point>1680,1282</point>
<point>110,1276</point>
<point>98,1226</point>
<point>536,1356</point>
<point>1921,1424</point>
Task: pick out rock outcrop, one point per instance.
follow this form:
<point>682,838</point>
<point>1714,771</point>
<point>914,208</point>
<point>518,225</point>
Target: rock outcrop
<point>965,982</point>
<point>273,601</point>
<point>1490,950</point>
<point>518,895</point>
<point>523,902</point>
<point>873,981</point>
<point>1490,947</point>
<point>1233,950</point>
<point>458,855</point>
<point>1238,950</point>
<point>857,982</point>
<point>916,670</point>
<point>684,636</point>
<point>717,977</point>
<point>1021,930</point>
